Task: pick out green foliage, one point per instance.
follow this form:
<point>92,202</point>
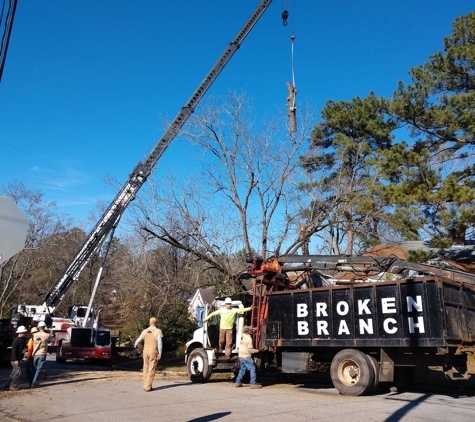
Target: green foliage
<point>343,159</point>
<point>440,242</point>
<point>371,184</point>
<point>176,325</point>
<point>130,332</point>
<point>437,170</point>
<point>180,352</point>
<point>419,256</point>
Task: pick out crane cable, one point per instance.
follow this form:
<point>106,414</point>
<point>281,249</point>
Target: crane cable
<point>290,86</point>
<point>292,37</point>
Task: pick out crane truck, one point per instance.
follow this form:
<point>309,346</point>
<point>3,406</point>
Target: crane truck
<point>76,334</point>
<point>369,320</point>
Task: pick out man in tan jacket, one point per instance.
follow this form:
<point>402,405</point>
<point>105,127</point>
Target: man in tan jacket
<point>40,348</point>
<point>152,352</point>
<point>245,359</point>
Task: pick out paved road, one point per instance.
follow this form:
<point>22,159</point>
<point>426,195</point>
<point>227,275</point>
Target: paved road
<point>80,393</point>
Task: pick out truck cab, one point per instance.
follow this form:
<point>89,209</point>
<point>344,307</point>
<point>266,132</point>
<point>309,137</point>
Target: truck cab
<point>202,352</point>
<point>86,343</point>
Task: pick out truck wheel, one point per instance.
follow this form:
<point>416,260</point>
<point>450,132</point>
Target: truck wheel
<point>351,372</point>
<point>198,367</point>
<point>375,365</point>
<point>58,356</point>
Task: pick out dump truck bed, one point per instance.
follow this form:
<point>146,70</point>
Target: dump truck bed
<point>417,312</point>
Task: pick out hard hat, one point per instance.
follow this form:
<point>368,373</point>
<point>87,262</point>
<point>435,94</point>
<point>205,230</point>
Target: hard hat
<point>41,324</point>
<point>228,300</point>
<point>34,330</point>
<point>21,329</point>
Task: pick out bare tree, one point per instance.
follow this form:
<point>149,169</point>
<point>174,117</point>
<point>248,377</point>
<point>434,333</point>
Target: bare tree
<point>243,196</point>
<point>23,277</point>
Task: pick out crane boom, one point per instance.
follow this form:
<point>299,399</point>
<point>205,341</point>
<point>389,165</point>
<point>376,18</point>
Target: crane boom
<point>137,178</point>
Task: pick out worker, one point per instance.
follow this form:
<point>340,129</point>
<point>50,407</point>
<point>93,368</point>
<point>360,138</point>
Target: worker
<point>228,317</point>
<point>18,351</point>
<point>41,340</point>
<point>29,355</point>
<point>152,352</point>
<point>245,359</point>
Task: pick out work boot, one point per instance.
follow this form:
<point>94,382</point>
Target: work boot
<point>238,385</point>
<point>256,386</point>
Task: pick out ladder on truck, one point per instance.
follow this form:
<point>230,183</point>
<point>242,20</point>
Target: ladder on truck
<point>259,312</point>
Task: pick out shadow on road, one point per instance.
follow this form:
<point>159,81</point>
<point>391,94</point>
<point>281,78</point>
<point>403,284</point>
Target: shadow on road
<point>403,411</point>
<point>212,417</point>
<point>72,381</point>
<point>165,387</point>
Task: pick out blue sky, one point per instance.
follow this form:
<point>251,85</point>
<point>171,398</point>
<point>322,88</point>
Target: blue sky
<point>86,82</point>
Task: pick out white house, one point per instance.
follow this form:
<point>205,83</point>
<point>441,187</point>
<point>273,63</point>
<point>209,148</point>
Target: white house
<point>198,299</point>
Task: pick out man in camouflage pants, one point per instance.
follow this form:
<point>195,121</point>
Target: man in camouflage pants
<point>152,352</point>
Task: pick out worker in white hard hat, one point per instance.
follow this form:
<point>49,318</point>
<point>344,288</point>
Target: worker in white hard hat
<point>40,348</point>
<point>228,317</point>
<point>18,352</point>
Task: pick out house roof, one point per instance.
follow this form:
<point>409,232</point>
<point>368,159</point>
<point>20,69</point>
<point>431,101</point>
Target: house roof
<point>206,294</point>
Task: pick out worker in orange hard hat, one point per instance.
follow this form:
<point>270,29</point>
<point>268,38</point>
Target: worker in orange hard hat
<point>29,354</point>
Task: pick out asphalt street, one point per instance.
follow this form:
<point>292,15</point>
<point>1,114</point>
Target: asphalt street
<point>84,393</point>
<point>124,401</point>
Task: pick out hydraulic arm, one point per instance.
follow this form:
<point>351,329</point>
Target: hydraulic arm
<point>137,178</point>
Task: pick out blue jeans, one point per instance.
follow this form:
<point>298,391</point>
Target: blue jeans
<point>37,365</point>
<point>247,364</point>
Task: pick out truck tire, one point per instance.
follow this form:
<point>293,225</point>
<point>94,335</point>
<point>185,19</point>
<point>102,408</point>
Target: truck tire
<point>58,356</point>
<point>198,367</point>
<point>352,373</point>
<point>374,363</point>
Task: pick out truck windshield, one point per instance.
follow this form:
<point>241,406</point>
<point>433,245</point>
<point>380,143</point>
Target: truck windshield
<point>103,338</point>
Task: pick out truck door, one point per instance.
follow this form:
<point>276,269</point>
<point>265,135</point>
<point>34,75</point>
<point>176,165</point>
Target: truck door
<point>210,329</point>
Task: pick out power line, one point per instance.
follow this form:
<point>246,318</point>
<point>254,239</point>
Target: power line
<point>6,32</point>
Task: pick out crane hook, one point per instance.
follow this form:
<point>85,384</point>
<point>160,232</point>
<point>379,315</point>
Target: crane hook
<point>285,16</point>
